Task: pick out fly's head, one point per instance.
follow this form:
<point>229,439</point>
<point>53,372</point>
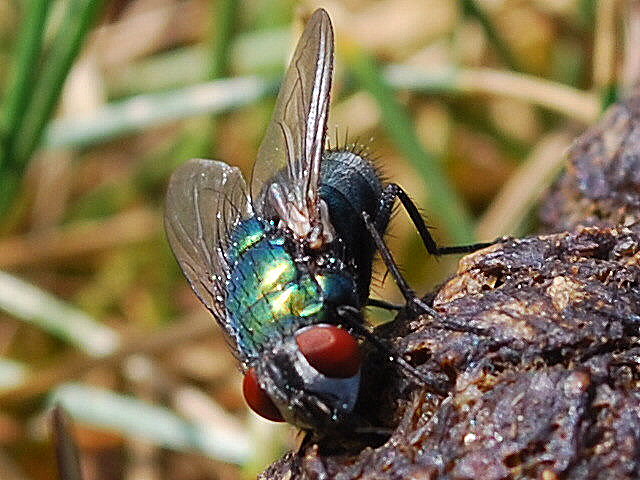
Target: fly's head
<point>310,379</point>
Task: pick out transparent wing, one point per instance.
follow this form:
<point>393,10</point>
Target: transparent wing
<point>294,142</point>
<point>205,200</point>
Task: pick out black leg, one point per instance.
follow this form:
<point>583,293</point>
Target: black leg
<point>374,302</point>
<point>389,195</point>
<point>353,319</point>
<point>387,258</point>
<point>413,302</point>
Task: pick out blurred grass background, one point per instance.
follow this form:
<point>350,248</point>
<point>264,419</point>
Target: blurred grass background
<point>468,104</point>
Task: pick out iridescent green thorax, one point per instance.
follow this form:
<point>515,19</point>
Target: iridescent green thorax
<point>268,296</point>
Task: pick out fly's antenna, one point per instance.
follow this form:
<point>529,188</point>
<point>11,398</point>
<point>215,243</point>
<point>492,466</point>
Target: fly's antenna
<point>67,455</point>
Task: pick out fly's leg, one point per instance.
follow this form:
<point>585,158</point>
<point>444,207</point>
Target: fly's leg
<point>413,301</point>
<point>353,318</point>
<point>375,302</point>
<point>389,195</point>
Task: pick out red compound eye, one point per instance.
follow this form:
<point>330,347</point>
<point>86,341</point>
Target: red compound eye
<point>258,399</point>
<point>331,350</point>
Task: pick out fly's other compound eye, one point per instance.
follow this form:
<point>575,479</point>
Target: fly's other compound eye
<point>258,399</point>
<point>331,350</point>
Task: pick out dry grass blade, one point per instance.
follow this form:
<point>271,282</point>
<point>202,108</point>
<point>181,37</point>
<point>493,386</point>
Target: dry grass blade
<point>145,111</point>
<point>631,62</point>
<point>75,365</point>
<point>12,373</point>
<point>9,470</point>
<point>604,51</point>
<point>73,241</point>
<point>524,188</point>
<point>151,422</point>
<point>568,101</point>
<point>55,316</point>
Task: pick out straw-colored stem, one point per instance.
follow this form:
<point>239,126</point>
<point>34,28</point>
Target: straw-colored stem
<point>84,239</point>
<point>573,103</point>
<point>74,365</point>
<point>631,61</point>
<point>524,188</point>
<point>604,43</point>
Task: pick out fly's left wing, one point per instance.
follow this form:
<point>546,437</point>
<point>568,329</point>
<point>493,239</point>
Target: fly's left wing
<point>205,201</point>
<point>286,174</point>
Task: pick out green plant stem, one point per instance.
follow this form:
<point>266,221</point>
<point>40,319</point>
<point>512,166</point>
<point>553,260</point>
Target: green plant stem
<point>66,45</point>
<point>225,21</point>
<point>609,95</point>
<point>226,16</point>
<point>28,50</point>
<point>443,200</point>
<point>471,9</point>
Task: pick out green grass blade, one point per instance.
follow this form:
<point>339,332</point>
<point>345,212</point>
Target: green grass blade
<point>226,11</point>
<point>158,425</point>
<point>27,54</point>
<point>35,306</point>
<point>493,35</point>
<point>148,110</point>
<point>444,203</point>
<point>66,45</point>
<point>226,18</point>
<point>609,95</point>
<point>9,186</point>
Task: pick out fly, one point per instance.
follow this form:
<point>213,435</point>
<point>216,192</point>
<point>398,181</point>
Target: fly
<point>284,265</point>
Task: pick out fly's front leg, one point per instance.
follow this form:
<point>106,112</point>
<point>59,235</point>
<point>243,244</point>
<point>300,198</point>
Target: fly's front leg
<point>407,292</point>
<point>375,302</point>
<point>389,195</point>
<point>352,318</point>
<point>413,301</point>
